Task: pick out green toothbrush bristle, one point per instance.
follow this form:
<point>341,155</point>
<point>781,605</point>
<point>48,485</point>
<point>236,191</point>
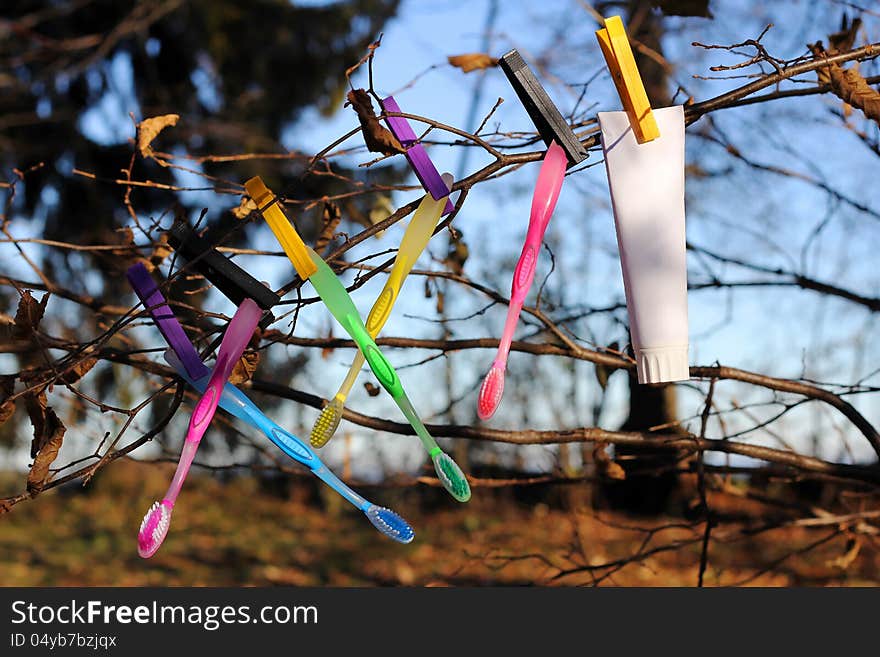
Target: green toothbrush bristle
<point>326,424</point>
<point>452,477</point>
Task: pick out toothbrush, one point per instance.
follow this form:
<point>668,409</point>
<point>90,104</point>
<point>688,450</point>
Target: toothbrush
<point>235,402</point>
<point>543,202</point>
<point>184,358</point>
<point>157,521</point>
<point>414,241</point>
<point>309,265</point>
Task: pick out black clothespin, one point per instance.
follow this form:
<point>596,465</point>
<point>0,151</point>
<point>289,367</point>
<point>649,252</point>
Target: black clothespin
<point>226,276</point>
<point>544,114</point>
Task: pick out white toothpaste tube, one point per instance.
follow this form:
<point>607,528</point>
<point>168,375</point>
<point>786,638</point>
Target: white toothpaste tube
<point>647,196</point>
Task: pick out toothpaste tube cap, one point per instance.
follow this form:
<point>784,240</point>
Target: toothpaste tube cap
<point>662,364</point>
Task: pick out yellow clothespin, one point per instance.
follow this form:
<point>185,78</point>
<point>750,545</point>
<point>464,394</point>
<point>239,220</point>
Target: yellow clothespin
<point>619,57</point>
<point>286,234</point>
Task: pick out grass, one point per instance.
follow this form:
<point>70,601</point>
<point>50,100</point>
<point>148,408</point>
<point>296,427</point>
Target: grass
<point>236,533</point>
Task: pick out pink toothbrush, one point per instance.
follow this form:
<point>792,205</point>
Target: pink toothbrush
<point>155,525</point>
<point>543,201</point>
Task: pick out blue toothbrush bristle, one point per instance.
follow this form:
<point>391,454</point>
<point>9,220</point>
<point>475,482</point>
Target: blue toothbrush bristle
<point>390,524</point>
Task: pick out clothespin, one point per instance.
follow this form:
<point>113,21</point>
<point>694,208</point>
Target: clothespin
<point>148,292</point>
<point>416,154</point>
<point>544,114</point>
<point>291,242</point>
<point>619,58</point>
<point>233,281</point>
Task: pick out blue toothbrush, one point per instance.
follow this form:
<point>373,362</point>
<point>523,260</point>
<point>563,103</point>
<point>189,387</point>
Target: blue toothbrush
<point>236,403</point>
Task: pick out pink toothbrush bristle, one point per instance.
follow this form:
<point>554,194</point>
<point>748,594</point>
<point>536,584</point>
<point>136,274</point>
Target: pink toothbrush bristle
<point>490,393</point>
<point>154,528</point>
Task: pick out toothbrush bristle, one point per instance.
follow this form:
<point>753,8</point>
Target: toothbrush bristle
<point>326,424</point>
<point>390,524</point>
<point>490,393</point>
<point>452,477</point>
<point>154,528</point>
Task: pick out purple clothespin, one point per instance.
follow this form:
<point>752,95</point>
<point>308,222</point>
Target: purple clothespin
<point>148,292</point>
<point>416,154</point>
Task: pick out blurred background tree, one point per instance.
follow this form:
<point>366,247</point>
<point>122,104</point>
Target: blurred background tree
<point>78,76</point>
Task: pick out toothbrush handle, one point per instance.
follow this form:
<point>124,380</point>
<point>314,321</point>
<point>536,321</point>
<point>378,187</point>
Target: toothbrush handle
<point>187,454</point>
<point>513,310</point>
<point>238,333</point>
<point>379,314</point>
<point>353,372</point>
<point>406,407</point>
<point>198,424</point>
<point>546,192</point>
<point>327,476</point>
<point>375,358</point>
<point>523,276</point>
<point>286,441</point>
<point>381,310</point>
<point>389,380</point>
<point>299,451</point>
<point>544,200</point>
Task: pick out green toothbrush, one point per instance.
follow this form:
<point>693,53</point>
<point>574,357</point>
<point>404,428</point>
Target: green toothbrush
<point>414,241</point>
<point>309,265</point>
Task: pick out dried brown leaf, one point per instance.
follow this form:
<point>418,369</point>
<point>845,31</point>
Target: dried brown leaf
<point>474,61</point>
<point>148,129</point>
<point>7,388</point>
<point>7,409</point>
<point>35,404</point>
<point>606,465</point>
<point>124,251</point>
<point>331,216</point>
<point>852,88</point>
<point>845,38</point>
<point>818,50</point>
<point>613,470</point>
<point>381,210</point>
<point>377,137</point>
<point>160,252</point>
<point>29,313</point>
<point>50,444</point>
<point>457,255</point>
<point>126,237</point>
<point>78,371</point>
<point>244,208</point>
<point>602,374</point>
<point>245,367</point>
<point>7,385</point>
<point>326,352</point>
<point>372,389</point>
